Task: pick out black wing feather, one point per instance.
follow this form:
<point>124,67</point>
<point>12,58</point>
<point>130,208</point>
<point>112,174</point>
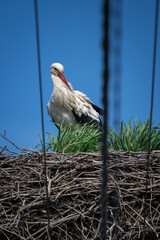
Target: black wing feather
<point>98,109</point>
<point>85,119</point>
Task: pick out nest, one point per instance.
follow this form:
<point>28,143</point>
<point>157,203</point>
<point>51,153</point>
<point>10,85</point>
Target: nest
<point>74,188</point>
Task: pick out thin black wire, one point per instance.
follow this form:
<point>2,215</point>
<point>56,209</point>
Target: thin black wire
<point>151,113</point>
<point>42,118</point>
<point>104,192</point>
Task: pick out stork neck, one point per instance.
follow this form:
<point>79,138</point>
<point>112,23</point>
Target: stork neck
<point>59,84</point>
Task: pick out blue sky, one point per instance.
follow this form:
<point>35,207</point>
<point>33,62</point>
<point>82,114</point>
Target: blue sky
<point>71,33</point>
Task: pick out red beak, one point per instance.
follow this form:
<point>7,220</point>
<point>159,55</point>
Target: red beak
<point>62,77</point>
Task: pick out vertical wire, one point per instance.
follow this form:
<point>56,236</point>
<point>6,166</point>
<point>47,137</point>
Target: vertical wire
<point>151,113</point>
<point>42,114</point>
<point>104,191</point>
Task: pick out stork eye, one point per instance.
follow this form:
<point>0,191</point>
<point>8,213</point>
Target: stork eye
<point>56,69</point>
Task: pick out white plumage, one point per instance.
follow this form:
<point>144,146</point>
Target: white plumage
<point>69,106</point>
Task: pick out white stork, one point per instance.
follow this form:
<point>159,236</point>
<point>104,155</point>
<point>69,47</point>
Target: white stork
<point>68,106</point>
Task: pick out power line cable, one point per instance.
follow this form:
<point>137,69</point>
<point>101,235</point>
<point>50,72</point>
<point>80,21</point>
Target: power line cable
<point>42,114</point>
<point>104,190</point>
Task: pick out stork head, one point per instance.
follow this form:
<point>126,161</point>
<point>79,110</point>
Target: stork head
<point>57,69</point>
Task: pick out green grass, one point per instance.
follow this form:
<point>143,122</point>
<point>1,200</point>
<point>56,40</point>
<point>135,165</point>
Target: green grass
<point>86,138</point>
<point>78,138</point>
<point>134,138</point>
